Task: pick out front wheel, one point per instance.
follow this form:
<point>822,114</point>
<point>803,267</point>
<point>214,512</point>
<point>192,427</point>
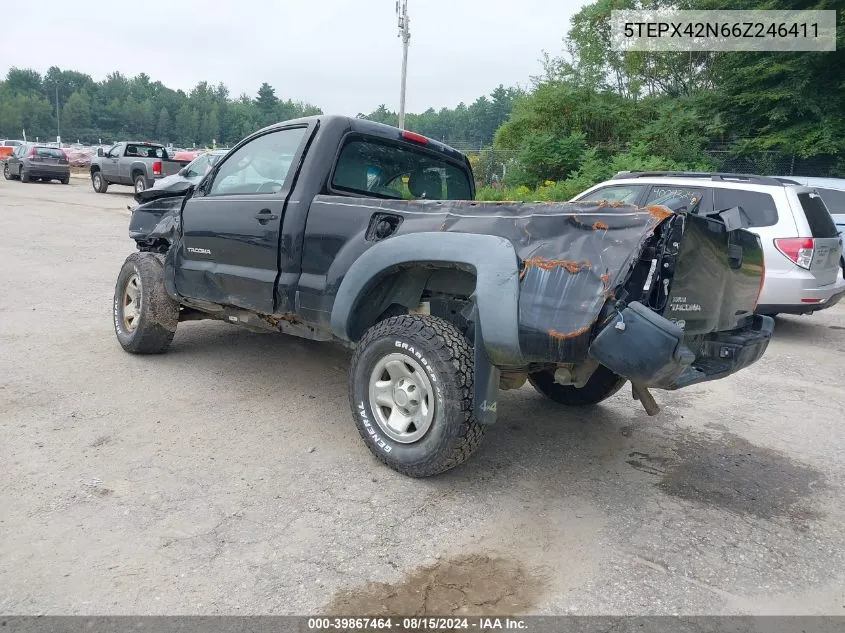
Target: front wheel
<point>145,316</point>
<point>7,173</point>
<point>601,385</point>
<point>411,392</point>
<point>99,183</point>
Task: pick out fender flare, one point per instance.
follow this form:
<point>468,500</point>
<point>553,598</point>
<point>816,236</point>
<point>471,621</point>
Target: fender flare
<point>493,260</point>
<point>138,166</point>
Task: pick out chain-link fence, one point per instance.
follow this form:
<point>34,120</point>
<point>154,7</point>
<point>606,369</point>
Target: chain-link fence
<point>491,165</point>
<point>775,164</point>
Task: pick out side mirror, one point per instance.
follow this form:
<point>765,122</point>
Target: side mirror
<point>100,152</point>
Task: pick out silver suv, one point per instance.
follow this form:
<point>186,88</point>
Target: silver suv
<point>802,246</point>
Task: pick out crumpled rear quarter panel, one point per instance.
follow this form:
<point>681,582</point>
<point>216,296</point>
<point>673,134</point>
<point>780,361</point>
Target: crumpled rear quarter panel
<point>572,258</point>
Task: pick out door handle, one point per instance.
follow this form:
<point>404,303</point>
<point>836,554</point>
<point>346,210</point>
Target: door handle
<point>265,216</point>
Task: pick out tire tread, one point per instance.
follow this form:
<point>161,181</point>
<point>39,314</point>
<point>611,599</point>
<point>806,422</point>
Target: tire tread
<point>446,342</point>
<point>159,312</point>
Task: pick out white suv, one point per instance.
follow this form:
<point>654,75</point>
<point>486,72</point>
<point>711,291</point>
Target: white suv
<point>802,247</point>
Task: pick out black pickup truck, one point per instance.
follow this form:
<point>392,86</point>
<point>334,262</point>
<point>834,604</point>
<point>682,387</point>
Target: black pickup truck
<point>341,229</point>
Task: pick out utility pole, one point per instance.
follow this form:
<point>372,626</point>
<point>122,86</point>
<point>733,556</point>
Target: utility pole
<point>58,118</point>
<point>405,35</point>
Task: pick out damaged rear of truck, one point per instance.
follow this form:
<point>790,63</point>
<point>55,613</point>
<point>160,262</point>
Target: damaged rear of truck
<point>448,301</point>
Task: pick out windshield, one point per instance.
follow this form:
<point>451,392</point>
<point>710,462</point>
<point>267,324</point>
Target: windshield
<point>377,168</point>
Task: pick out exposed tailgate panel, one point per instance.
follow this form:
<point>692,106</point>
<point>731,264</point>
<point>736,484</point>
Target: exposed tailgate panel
<point>717,277</point>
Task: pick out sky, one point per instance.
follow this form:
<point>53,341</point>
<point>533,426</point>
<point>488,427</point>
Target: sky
<point>341,55</point>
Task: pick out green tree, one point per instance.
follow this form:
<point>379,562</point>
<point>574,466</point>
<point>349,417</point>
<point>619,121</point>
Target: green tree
<point>76,115</point>
<point>187,125</point>
<point>267,104</point>
<point>163,126</point>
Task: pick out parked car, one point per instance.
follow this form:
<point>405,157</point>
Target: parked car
<point>135,163</point>
<point>194,171</point>
<point>31,161</point>
<point>802,246</point>
<point>332,228</point>
<point>8,146</point>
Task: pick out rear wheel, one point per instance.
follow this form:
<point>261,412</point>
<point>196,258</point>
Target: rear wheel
<point>411,392</point>
<point>601,385</point>
<point>65,180</point>
<point>145,316</point>
<point>140,183</point>
<point>24,175</point>
<point>98,182</point>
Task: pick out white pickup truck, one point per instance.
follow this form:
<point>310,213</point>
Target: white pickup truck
<point>135,163</point>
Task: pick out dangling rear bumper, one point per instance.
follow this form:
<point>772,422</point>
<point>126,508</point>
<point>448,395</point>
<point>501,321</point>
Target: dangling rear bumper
<point>651,351</point>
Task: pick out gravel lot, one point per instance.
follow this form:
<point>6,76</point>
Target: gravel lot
<point>227,475</point>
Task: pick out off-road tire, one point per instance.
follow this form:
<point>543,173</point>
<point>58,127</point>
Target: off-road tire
<point>446,357</point>
<point>24,175</point>
<point>601,385</point>
<point>158,314</point>
<point>138,180</point>
<point>99,182</point>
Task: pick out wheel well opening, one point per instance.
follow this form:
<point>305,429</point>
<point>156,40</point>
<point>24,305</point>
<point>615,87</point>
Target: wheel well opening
<point>444,291</point>
<point>136,172</point>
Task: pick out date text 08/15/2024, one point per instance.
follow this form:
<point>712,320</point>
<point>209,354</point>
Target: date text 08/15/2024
<point>415,624</point>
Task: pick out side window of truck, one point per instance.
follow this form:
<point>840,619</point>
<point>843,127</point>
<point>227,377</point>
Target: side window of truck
<point>114,152</point>
<point>260,166</point>
<point>375,168</point>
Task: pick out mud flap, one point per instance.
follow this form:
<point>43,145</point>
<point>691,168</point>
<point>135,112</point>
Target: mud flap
<point>487,377</point>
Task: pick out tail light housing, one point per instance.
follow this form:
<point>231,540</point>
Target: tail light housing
<point>33,154</point>
<point>157,168</point>
<point>63,160</point>
<point>762,282</point>
<point>799,250</point>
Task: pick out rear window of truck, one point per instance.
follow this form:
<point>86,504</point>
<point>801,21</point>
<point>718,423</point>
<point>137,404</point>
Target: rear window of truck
<point>375,168</point>
<point>145,151</point>
<point>818,217</point>
<point>758,208</point>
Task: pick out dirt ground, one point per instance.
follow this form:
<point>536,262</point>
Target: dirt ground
<point>227,477</point>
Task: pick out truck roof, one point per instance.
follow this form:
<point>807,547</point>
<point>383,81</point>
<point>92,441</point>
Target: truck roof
<point>373,128</point>
<point>147,143</point>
